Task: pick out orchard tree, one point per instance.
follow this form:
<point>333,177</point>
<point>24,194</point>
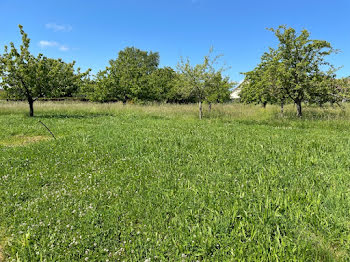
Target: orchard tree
<point>218,89</point>
<point>293,71</point>
<point>161,84</point>
<point>197,80</point>
<point>25,76</point>
<point>103,88</point>
<point>301,61</point>
<point>127,77</point>
<point>262,85</point>
<point>131,71</point>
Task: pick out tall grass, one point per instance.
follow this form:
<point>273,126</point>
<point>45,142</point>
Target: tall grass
<point>154,183</point>
<point>227,111</point>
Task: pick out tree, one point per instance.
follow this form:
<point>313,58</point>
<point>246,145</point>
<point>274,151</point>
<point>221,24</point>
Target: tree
<point>198,80</point>
<point>127,77</point>
<point>161,84</point>
<point>131,69</point>
<point>301,62</point>
<point>293,71</point>
<point>218,89</point>
<point>262,85</point>
<point>25,76</point>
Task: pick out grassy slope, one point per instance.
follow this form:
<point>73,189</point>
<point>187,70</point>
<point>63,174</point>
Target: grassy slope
<point>154,182</point>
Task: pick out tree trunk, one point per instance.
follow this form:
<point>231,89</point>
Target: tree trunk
<point>299,112</point>
<point>282,108</point>
<point>200,109</point>
<point>264,104</point>
<point>209,108</point>
<point>31,108</point>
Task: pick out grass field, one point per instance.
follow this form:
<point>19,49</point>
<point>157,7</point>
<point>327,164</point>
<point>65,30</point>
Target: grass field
<point>154,183</point>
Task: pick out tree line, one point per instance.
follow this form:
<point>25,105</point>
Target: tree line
<point>296,71</point>
<point>134,76</point>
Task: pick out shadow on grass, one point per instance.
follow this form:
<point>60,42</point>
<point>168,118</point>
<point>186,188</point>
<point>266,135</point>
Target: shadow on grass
<point>71,116</point>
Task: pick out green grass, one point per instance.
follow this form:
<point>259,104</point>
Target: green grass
<point>139,183</point>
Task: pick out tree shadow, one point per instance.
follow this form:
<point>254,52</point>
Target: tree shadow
<point>71,116</point>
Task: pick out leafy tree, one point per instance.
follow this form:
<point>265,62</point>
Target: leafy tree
<point>262,85</point>
<point>100,89</point>
<point>343,89</point>
<point>131,71</point>
<point>25,76</point>
<point>161,84</point>
<point>301,62</point>
<point>292,72</point>
<point>218,89</point>
<point>198,80</point>
<point>127,77</point>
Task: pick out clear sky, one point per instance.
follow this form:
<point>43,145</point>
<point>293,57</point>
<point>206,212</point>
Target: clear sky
<point>92,32</point>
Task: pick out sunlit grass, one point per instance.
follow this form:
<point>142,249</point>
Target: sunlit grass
<point>139,183</point>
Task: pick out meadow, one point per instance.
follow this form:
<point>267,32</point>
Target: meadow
<point>154,183</point>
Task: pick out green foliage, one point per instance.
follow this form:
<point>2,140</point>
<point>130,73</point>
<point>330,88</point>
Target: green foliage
<point>203,81</point>
<point>3,94</point>
<point>162,84</point>
<point>127,77</point>
<point>25,76</point>
<point>262,85</point>
<point>295,71</point>
<point>138,182</point>
<point>219,88</point>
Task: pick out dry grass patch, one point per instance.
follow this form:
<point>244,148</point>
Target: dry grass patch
<point>22,140</point>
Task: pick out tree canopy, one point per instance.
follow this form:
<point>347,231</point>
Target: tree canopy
<point>25,76</point>
<point>297,70</point>
<point>203,81</point>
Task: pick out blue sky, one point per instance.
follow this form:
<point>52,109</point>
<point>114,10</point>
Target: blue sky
<point>92,32</point>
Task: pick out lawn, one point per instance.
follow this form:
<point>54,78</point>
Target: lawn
<point>154,183</point>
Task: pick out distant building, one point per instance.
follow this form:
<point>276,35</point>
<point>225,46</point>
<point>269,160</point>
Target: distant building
<point>235,93</point>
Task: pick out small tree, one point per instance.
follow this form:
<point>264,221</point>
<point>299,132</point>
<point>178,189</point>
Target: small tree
<point>198,80</point>
<point>27,77</point>
<point>218,89</point>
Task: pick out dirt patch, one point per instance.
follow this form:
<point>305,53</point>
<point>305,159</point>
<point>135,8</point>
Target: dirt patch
<point>21,140</point>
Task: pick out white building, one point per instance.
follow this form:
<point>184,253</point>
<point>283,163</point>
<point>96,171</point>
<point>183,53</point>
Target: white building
<point>235,93</point>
